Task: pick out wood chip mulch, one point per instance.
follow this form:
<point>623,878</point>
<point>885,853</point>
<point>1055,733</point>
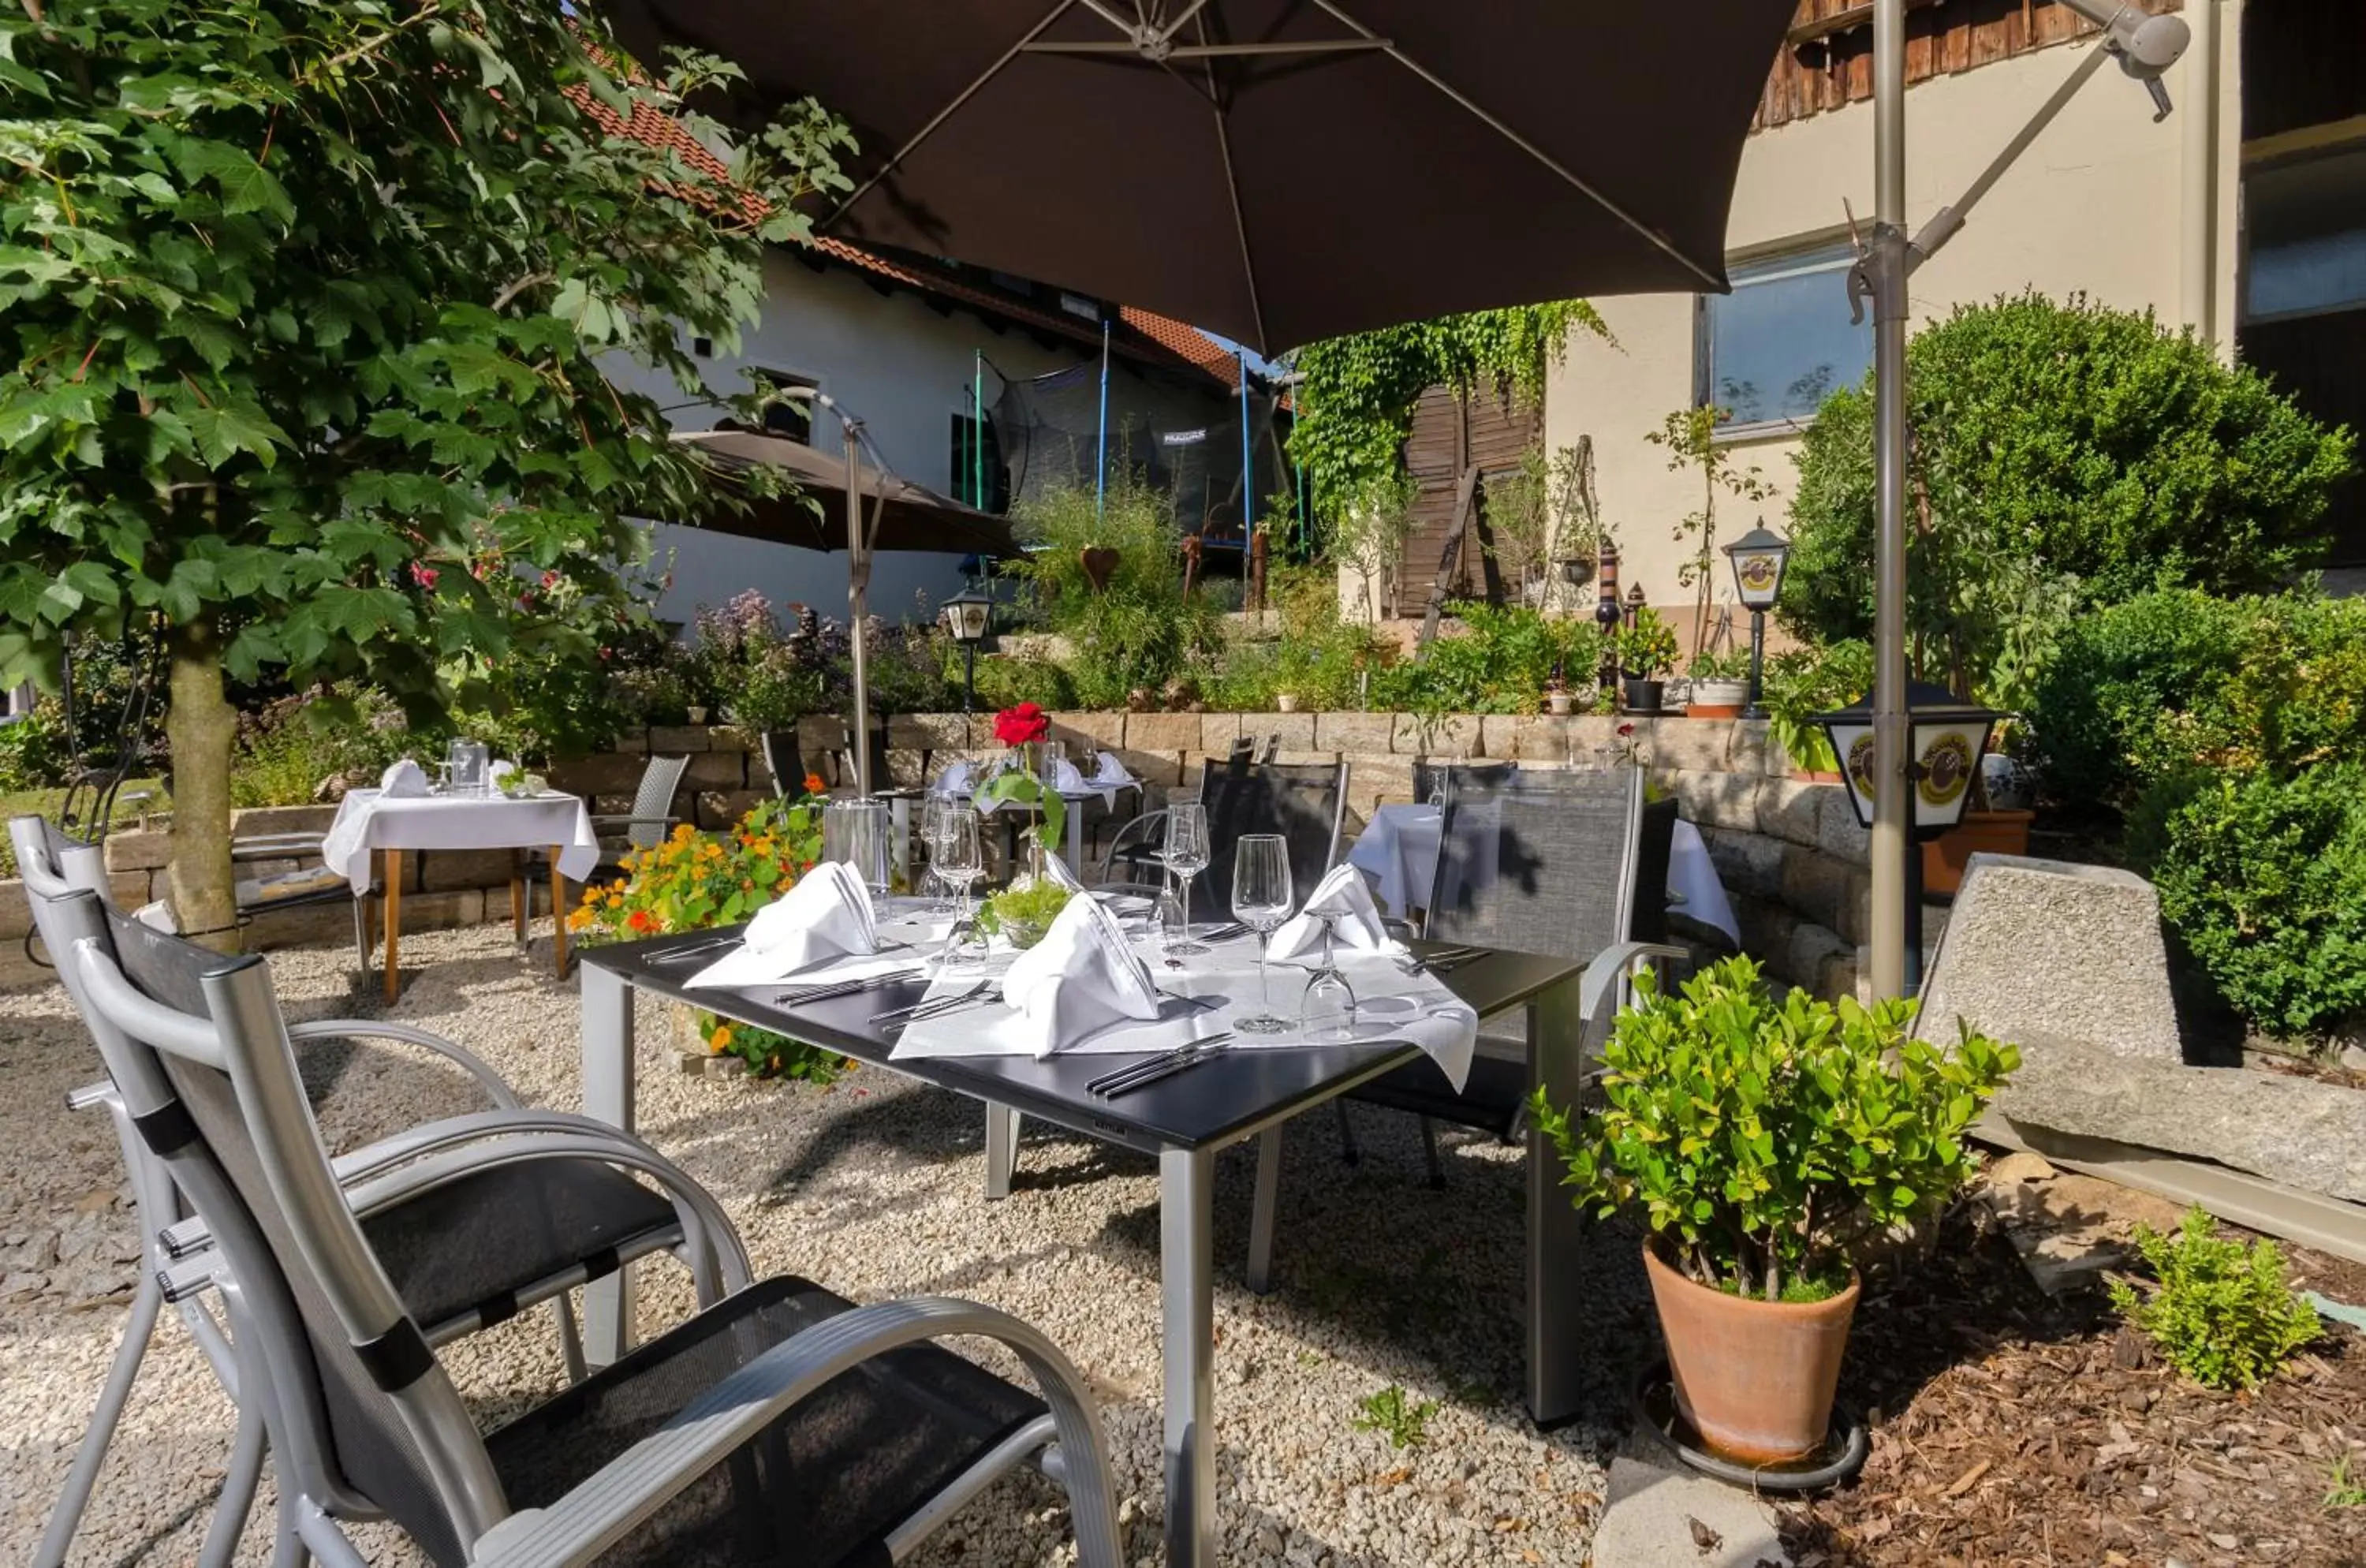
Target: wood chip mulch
<point>2009,1428</point>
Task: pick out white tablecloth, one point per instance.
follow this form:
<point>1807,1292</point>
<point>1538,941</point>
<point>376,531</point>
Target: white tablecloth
<point>367,821</point>
<point>1399,851</point>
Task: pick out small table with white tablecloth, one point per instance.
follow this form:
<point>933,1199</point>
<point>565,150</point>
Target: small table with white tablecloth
<point>1399,851</point>
<point>369,821</point>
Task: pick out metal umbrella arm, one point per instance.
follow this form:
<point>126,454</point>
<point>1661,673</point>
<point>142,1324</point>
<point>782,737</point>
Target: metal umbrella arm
<point>2146,46</point>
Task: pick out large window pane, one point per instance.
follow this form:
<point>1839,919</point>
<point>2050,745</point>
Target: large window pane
<point>1772,350</point>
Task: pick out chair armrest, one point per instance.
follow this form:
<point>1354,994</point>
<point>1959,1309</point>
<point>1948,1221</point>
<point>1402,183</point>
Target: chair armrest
<point>627,820</point>
<point>496,1090</point>
<point>633,1486</point>
<point>1119,839</point>
<point>90,1096</point>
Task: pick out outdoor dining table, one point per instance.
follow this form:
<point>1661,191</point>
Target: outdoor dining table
<point>1184,1122</point>
<point>1399,850</point>
<point>368,822</point>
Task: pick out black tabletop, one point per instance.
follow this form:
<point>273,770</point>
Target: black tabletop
<point>1213,1104</point>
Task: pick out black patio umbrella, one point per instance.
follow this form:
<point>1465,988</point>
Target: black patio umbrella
<point>900,515</point>
<point>1280,170</point>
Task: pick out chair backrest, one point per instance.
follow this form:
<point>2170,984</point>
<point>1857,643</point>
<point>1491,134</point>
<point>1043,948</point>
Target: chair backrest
<point>1543,862</point>
<point>1433,780</point>
<point>1304,801</point>
<point>361,1408</point>
<point>784,762</point>
<point>1648,920</point>
<point>653,800</point>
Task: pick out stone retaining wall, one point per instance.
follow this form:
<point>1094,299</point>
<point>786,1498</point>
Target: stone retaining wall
<point>1790,852</point>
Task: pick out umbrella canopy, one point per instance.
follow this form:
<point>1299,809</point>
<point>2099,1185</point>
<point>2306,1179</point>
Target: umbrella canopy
<point>1280,171</point>
<point>901,516</point>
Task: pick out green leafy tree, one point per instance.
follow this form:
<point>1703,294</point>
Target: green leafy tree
<point>2072,441</point>
<point>305,309</point>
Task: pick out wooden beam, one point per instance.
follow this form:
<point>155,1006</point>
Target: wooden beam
<point>1845,20</point>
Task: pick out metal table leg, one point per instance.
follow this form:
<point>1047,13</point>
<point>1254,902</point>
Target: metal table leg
<point>608,1095</point>
<point>1186,1294</point>
<point>1001,1149</point>
<point>899,813</point>
<point>1555,1230</point>
<point>1077,837</point>
<point>1262,1209</point>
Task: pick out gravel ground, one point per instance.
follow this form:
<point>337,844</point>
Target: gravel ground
<point>872,1187</point>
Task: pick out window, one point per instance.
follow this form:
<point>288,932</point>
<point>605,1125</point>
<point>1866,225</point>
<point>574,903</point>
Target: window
<point>979,478</point>
<point>1771,352</point>
<point>2307,241</point>
<point>794,419</point>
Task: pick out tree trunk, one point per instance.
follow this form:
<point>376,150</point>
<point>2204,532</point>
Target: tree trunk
<point>201,727</point>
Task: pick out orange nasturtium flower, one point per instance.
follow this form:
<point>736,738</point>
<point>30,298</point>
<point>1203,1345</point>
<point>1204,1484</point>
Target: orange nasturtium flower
<point>814,785</point>
<point>720,1039</point>
<point>641,920</point>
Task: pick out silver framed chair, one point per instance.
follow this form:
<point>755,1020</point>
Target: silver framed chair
<point>780,1423</point>
<point>529,1230</point>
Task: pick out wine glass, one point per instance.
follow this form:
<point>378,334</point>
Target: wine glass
<point>935,811</point>
<point>961,859</point>
<point>1262,900</point>
<point>1185,853</point>
<point>1327,1012</point>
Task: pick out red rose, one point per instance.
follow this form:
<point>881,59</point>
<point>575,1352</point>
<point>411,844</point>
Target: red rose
<point>641,920</point>
<point>1626,729</point>
<point>1022,726</point>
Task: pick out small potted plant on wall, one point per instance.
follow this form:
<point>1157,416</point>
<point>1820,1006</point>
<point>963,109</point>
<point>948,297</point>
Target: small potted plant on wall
<point>1647,651</point>
<point>1765,1147</point>
<point>1720,684</point>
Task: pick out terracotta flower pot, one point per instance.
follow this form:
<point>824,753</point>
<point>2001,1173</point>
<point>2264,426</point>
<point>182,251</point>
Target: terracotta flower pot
<point>1719,699</point>
<point>1990,832</point>
<point>1754,1378</point>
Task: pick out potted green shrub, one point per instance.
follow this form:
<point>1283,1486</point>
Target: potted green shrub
<point>1766,1143</point>
<point>1647,651</point>
<point>1720,684</point>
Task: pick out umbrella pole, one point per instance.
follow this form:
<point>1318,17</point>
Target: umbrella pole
<point>1892,790</point>
<point>857,583</point>
<point>1100,447</point>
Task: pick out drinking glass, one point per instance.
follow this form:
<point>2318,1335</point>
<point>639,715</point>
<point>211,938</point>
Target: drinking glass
<point>855,832</point>
<point>470,761</point>
<point>935,812</point>
<point>961,859</point>
<point>1262,900</point>
<point>1327,1011</point>
<point>1185,853</point>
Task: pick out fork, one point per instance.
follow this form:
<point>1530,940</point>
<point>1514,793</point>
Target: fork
<point>845,987</point>
<point>1125,1080</point>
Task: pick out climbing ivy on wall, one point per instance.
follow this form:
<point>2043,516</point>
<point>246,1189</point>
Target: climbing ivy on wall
<point>1356,402</point>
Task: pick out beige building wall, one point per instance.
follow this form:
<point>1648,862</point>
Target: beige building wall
<point>2098,205</point>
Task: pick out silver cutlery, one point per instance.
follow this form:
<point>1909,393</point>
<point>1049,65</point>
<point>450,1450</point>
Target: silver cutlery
<point>1444,961</point>
<point>674,955</point>
<point>845,987</point>
<point>930,1007</point>
<point>1123,1078</point>
<point>1160,1067</point>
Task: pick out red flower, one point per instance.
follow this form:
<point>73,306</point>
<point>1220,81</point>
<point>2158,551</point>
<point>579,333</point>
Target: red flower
<point>423,575</point>
<point>1627,729</point>
<point>1022,726</point>
<point>814,785</point>
<point>641,920</point>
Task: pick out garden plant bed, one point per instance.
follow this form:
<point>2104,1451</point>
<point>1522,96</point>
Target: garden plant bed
<point>2009,1427</point>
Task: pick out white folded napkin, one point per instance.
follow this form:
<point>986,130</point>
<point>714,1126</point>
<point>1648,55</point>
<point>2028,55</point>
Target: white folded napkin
<point>827,917</point>
<point>1110,770</point>
<point>1346,900</point>
<point>1081,977</point>
<point>404,781</point>
<point>1066,778</point>
<point>955,779</point>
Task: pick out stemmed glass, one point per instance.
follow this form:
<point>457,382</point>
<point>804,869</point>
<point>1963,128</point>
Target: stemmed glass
<point>1262,900</point>
<point>935,812</point>
<point>1185,853</point>
<point>960,861</point>
<point>1327,1011</point>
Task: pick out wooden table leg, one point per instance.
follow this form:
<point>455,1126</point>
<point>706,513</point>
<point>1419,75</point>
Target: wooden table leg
<point>518,900</point>
<point>559,910</point>
<point>393,923</point>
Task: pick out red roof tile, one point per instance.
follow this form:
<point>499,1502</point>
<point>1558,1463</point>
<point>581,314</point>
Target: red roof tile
<point>1142,335</point>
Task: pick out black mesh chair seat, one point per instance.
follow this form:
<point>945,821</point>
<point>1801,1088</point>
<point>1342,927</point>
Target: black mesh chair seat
<point>470,1243</point>
<point>841,1469</point>
<point>1490,1098</point>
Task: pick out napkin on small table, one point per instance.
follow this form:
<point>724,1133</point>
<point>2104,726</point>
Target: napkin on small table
<point>825,919</point>
<point>1081,977</point>
<point>1110,773</point>
<point>403,780</point>
<point>1344,898</point>
<point>955,779</point>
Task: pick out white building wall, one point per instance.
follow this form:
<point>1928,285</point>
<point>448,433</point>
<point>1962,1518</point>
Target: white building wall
<point>2097,206</point>
<point>891,360</point>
